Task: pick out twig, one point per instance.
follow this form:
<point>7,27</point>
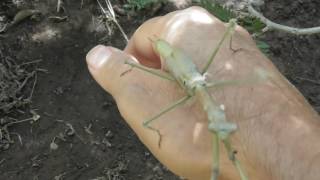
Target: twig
<point>21,121</point>
<point>42,70</point>
<point>3,29</point>
<point>309,80</point>
<point>270,25</point>
<point>112,16</point>
<point>25,81</point>
<point>34,85</point>
<point>71,131</point>
<point>81,5</point>
<point>19,137</point>
<point>60,176</point>
<point>31,62</point>
<point>59,3</point>
<point>2,160</point>
<point>57,19</point>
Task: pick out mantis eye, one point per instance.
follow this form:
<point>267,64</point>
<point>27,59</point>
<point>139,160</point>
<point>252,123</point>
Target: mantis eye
<point>184,82</point>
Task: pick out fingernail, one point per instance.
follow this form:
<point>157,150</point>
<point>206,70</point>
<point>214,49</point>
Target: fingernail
<point>98,56</point>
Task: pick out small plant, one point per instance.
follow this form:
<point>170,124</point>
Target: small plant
<point>137,5</point>
<point>270,25</point>
<point>251,19</point>
<point>111,16</point>
<point>252,24</point>
<point>263,46</point>
<point>217,10</point>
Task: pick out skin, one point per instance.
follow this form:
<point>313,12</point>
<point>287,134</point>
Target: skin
<point>278,131</point>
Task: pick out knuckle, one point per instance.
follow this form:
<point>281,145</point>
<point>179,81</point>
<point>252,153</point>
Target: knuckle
<point>196,9</point>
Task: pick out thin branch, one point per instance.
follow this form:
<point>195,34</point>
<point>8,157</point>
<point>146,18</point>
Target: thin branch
<point>110,8</point>
<point>81,5</point>
<point>2,161</point>
<point>31,62</point>
<point>272,25</point>
<point>309,80</point>
<point>34,85</point>
<point>122,31</point>
<point>21,121</point>
<point>112,16</point>
<point>19,137</point>
<point>59,3</point>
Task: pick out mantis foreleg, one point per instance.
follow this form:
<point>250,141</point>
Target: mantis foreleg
<point>233,49</point>
<point>146,123</point>
<point>230,29</point>
<point>151,71</point>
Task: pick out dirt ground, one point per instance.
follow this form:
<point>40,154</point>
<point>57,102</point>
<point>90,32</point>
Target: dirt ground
<point>91,140</point>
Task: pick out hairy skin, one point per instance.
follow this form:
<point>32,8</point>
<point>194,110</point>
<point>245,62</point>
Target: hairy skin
<point>278,131</point>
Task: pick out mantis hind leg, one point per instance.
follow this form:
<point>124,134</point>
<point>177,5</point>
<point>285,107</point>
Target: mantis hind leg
<point>230,30</point>
<point>232,156</point>
<point>222,130</point>
<point>146,123</point>
<point>215,157</point>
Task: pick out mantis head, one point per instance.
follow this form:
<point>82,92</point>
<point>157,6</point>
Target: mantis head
<point>163,48</point>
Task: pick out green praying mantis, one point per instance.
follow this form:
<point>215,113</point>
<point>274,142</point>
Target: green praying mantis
<point>183,71</point>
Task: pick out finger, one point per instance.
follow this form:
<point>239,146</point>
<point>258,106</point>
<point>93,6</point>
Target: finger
<point>140,46</point>
<point>108,68</point>
<point>181,29</point>
<point>106,64</point>
<point>140,96</point>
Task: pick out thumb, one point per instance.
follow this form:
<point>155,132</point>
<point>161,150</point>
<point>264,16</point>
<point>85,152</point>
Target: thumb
<point>106,64</point>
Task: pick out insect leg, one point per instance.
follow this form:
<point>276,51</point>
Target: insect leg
<point>146,123</point>
<point>233,49</point>
<point>258,76</point>
<point>232,157</point>
<point>230,29</point>
<point>151,71</point>
<point>221,84</point>
<point>215,157</point>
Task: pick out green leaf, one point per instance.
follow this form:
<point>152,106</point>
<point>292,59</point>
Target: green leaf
<point>217,10</point>
<point>139,4</point>
<point>253,25</point>
<point>263,46</point>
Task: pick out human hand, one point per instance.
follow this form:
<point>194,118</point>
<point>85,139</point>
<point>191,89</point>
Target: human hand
<point>266,113</point>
